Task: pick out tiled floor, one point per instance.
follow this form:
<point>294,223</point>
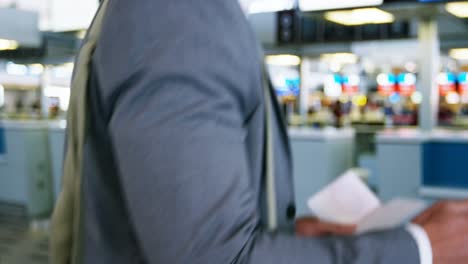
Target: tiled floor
<point>18,243</point>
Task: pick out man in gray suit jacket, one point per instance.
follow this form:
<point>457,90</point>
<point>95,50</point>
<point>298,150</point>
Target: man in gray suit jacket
<point>173,164</point>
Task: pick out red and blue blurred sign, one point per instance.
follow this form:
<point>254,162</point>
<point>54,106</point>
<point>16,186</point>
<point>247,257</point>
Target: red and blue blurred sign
<point>447,83</point>
<point>350,84</point>
<point>291,87</point>
<point>406,83</point>
<point>463,83</point>
<point>386,83</point>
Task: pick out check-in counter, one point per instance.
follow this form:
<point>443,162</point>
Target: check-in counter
<point>25,176</point>
<point>31,167</point>
<point>319,156</point>
<point>57,153</point>
<point>412,163</point>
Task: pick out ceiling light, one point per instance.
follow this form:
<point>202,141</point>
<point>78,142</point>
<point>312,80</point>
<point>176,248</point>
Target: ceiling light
<point>283,60</point>
<point>343,58</point>
<point>459,54</point>
<point>267,6</point>
<point>459,9</point>
<point>360,16</point>
<point>314,5</point>
<point>6,44</point>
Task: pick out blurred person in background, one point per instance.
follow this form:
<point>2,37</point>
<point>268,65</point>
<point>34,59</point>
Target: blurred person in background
<point>171,166</point>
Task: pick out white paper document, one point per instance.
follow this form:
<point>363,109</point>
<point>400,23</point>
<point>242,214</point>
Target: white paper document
<point>348,200</point>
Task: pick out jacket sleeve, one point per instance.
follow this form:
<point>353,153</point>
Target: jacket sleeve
<point>179,143</point>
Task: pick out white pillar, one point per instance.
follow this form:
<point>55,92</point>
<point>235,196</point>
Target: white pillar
<point>430,66</point>
<point>304,90</point>
<point>45,81</point>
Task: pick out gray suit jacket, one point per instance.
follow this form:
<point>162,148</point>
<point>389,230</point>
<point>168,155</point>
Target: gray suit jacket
<point>173,165</point>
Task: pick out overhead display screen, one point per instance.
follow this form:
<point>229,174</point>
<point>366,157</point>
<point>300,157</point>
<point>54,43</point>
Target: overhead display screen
<point>318,5</point>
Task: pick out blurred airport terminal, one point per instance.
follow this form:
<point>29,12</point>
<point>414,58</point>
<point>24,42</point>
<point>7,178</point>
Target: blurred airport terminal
<point>380,87</point>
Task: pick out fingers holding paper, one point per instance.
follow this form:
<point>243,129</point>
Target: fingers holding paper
<point>313,227</point>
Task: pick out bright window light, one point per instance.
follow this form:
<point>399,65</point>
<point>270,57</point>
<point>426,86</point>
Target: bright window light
<point>2,95</point>
<point>315,5</point>
<point>459,9</point>
<point>283,60</point>
<point>360,16</point>
<point>62,93</point>
<point>63,71</point>
<point>459,54</point>
<point>68,15</point>
<point>266,6</point>
<point>6,44</point>
<point>36,69</point>
<point>16,69</point>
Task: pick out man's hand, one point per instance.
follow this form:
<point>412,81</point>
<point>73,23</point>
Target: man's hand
<point>313,227</point>
<point>446,224</point>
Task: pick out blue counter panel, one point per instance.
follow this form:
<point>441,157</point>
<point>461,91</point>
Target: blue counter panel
<point>2,143</point>
<point>445,165</point>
